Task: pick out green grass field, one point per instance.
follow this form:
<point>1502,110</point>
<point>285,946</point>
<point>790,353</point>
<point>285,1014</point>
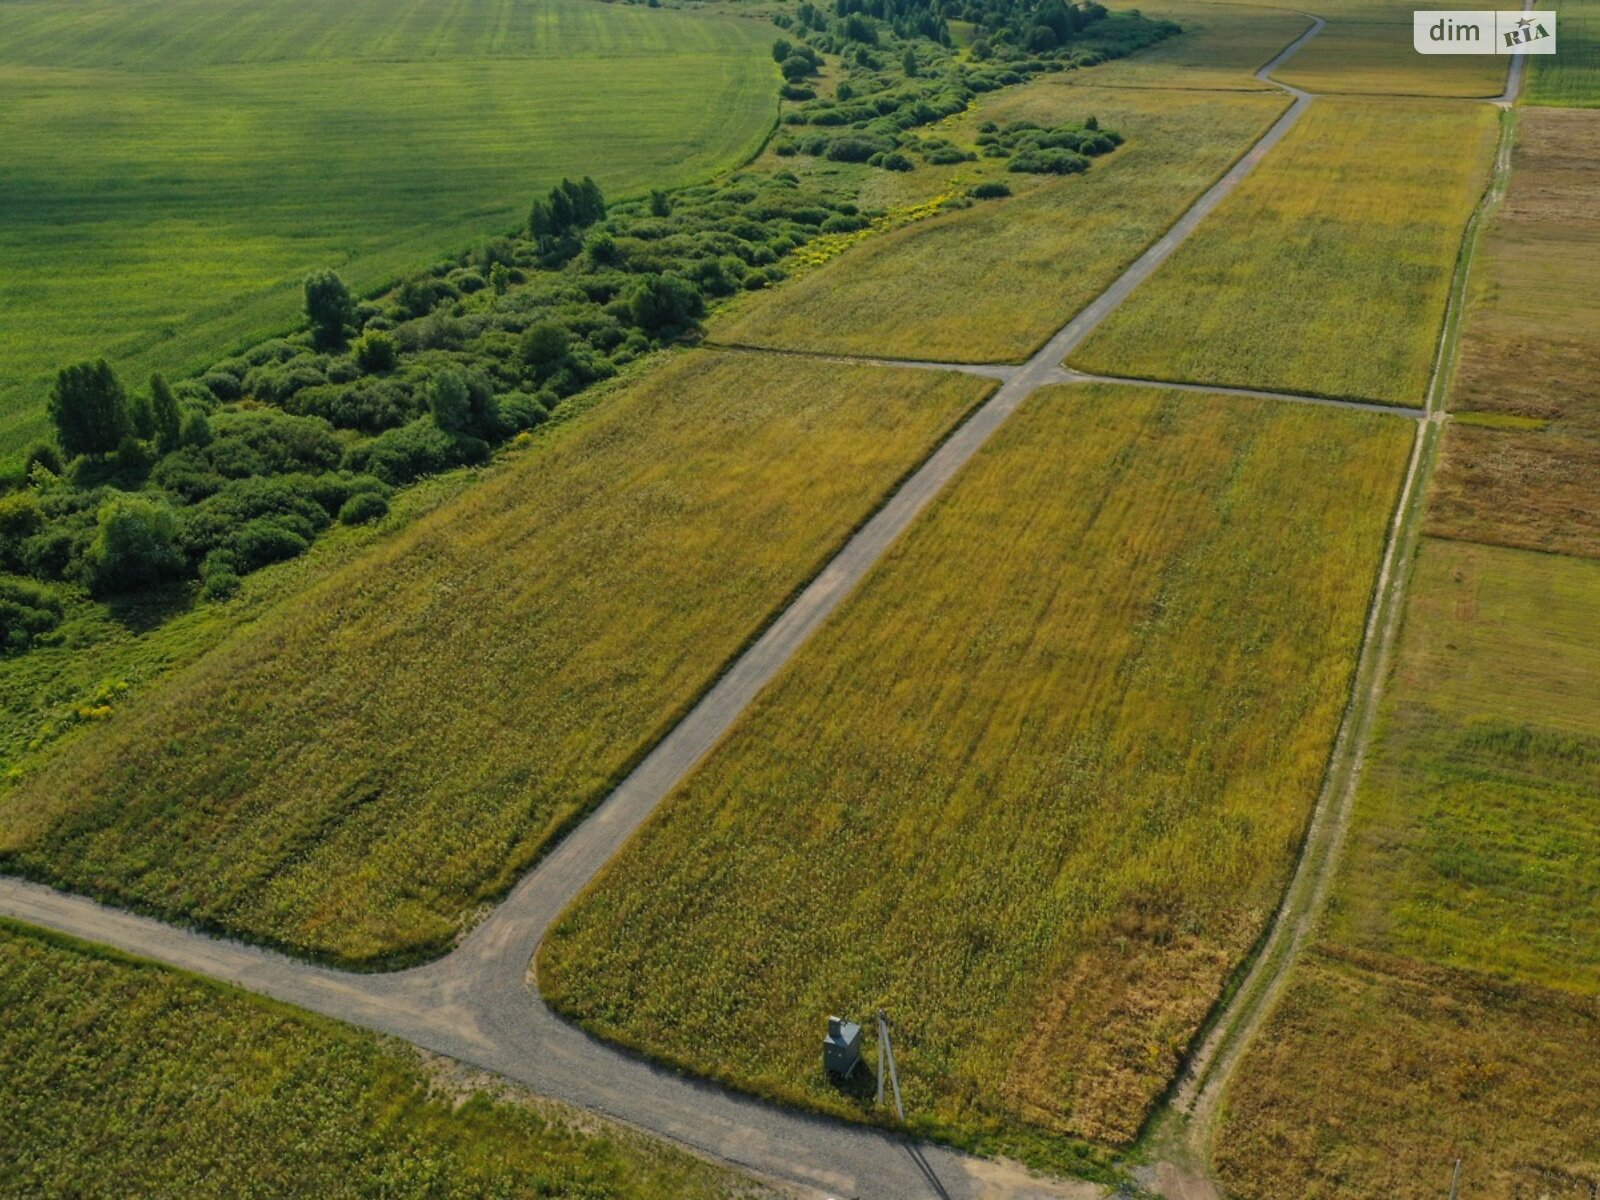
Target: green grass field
<point>1347,235</point>
<point>126,1079</point>
<point>1449,1010</point>
<point>354,774</point>
<point>1570,78</point>
<point>993,282</point>
<point>174,169</point>
<point>1034,790</point>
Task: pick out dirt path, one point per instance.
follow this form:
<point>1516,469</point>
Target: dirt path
<point>476,1004</point>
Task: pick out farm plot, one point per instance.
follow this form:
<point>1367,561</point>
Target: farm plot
<point>1526,471</point>
<point>173,170</point>
<point>992,283</point>
<point>1034,791</point>
<point>1449,1010</point>
<point>353,774</point>
<point>1571,77</point>
<point>1347,235</point>
<point>1367,48</point>
<point>1221,46</point>
<point>127,1079</point>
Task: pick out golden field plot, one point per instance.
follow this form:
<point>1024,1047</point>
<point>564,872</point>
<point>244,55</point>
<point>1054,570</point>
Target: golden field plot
<point>1449,1010</point>
<point>1527,473</point>
<point>1347,235</point>
<point>354,773</point>
<point>1037,788</point>
<point>993,282</point>
<point>127,1079</point>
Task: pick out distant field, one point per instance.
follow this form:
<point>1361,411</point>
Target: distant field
<point>1034,790</point>
<point>993,282</point>
<point>1221,46</point>
<point>1367,48</point>
<point>353,774</point>
<point>174,167</point>
<point>126,1079</point>
<point>1449,1011</point>
<point>1531,477</point>
<point>1347,235</point>
<point>1571,77</point>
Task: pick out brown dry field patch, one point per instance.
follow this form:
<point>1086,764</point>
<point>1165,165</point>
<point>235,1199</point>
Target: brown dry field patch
<point>1531,354</point>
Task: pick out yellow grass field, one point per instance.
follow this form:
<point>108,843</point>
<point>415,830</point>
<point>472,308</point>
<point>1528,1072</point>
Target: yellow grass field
<point>1347,236</point>
<point>354,773</point>
<point>993,282</point>
<point>1450,1008</point>
<point>127,1079</point>
<point>1034,790</point>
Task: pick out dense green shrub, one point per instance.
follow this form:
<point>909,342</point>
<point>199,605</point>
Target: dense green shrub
<point>28,611</point>
<point>989,189</point>
<point>363,508</point>
<point>376,352</point>
<point>134,546</point>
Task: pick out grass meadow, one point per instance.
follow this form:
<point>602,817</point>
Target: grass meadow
<point>993,282</point>
<point>1449,1010</point>
<point>127,1079</point>
<point>1570,78</point>
<point>1526,470</point>
<point>1035,790</point>
<point>173,169</point>
<point>355,772</point>
<point>1347,234</point>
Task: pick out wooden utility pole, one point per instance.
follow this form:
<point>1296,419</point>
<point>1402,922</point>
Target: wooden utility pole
<point>886,1052</point>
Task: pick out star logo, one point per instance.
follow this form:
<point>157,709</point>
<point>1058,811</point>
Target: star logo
<point>1524,23</point>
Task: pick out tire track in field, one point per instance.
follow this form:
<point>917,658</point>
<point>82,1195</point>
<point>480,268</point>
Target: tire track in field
<point>477,1004</point>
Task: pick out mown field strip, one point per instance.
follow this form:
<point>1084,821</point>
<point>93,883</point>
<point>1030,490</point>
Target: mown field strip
<point>355,774</point>
<point>251,144</point>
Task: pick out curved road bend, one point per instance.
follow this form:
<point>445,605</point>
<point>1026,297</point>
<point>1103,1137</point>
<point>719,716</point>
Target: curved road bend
<point>476,1004</point>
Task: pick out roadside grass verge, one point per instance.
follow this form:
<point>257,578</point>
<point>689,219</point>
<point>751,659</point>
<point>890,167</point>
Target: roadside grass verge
<point>1449,1009</point>
<point>1527,358</point>
<point>1346,235</point>
<point>173,171</point>
<point>1034,790</point>
<point>128,1079</point>
<point>993,282</point>
<point>358,771</point>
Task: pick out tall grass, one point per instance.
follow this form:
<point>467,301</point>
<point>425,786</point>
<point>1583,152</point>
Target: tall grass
<point>354,773</point>
<point>173,170</point>
<point>125,1079</point>
<point>1327,270</point>
<point>1034,790</point>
